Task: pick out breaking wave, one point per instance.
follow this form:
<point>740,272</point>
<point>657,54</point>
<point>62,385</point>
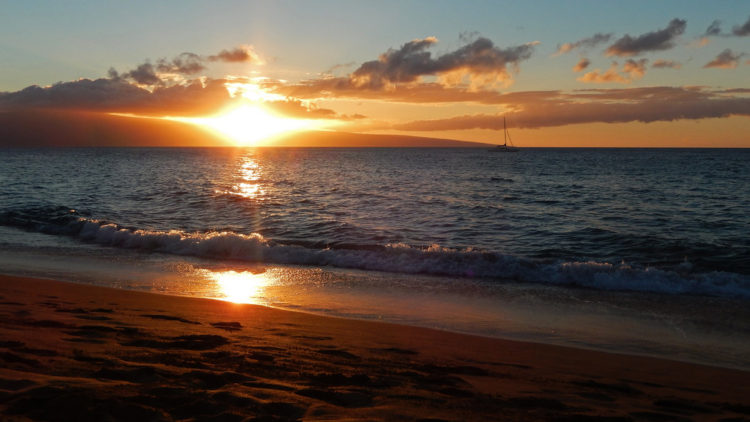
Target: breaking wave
<point>398,258</point>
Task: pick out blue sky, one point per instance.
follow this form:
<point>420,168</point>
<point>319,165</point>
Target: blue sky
<point>43,42</point>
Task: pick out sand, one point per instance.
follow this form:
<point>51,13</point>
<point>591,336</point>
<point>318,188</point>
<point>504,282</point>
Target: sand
<point>79,352</point>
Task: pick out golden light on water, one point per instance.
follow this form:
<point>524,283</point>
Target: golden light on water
<point>240,286</point>
<point>248,185</point>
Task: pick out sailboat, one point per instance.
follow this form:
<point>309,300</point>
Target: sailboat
<point>507,145</point>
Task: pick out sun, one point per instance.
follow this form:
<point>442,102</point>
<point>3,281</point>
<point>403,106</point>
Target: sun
<point>249,124</point>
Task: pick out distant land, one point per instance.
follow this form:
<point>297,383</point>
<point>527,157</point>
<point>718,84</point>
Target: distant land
<point>54,128</point>
<point>360,140</point>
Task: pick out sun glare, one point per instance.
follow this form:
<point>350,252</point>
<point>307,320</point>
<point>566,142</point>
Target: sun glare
<point>249,125</point>
<point>240,287</point>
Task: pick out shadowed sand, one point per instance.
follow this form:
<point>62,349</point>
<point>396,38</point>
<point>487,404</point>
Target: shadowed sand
<point>78,352</point>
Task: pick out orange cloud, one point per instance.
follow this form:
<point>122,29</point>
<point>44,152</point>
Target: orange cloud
<point>645,105</point>
<point>581,65</point>
<point>599,77</point>
<point>725,60</point>
<point>636,69</point>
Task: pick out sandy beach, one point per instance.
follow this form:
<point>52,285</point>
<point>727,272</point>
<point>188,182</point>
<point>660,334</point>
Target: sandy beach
<point>80,352</point>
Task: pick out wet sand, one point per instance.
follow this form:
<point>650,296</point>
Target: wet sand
<point>79,352</point>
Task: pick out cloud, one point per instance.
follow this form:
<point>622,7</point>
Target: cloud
<point>301,110</point>
<point>725,60</point>
<point>636,69</point>
<point>581,65</point>
<point>666,64</point>
<point>662,39</point>
<point>119,95</point>
<point>700,42</point>
<point>185,63</point>
<point>144,74</point>
<point>589,42</point>
<point>742,30</point>
<point>243,53</point>
<point>480,60</point>
<point>601,106</point>
<point>597,76</point>
<point>713,29</point>
<point>335,68</point>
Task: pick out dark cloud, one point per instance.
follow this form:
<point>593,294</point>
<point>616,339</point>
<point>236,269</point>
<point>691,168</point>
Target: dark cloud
<point>119,95</point>
<point>185,63</point>
<point>662,39</point>
<point>666,64</point>
<point>601,106</point>
<point>713,29</point>
<point>742,30</point>
<point>480,58</point>
<point>727,59</point>
<point>581,65</point>
<point>396,72</point>
<point>239,54</point>
<point>144,74</point>
<point>589,42</point>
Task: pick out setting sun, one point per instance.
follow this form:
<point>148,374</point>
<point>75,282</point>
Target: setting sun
<point>249,125</point>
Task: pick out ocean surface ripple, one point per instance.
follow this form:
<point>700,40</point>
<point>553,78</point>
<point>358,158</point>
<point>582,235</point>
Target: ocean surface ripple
<point>656,220</point>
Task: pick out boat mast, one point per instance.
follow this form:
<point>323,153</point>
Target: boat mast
<point>505,133</point>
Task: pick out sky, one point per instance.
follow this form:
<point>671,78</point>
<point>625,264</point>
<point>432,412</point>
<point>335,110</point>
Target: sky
<point>572,73</point>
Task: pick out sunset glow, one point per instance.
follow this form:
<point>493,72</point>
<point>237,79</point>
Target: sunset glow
<point>249,125</point>
<point>614,79</point>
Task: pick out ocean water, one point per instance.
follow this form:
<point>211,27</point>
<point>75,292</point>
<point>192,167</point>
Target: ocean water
<point>636,250</point>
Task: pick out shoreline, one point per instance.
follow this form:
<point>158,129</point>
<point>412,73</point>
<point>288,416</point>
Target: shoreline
<point>86,350</point>
<point>632,323</point>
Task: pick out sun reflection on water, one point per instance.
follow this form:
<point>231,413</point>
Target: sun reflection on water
<point>248,181</point>
<point>240,286</point>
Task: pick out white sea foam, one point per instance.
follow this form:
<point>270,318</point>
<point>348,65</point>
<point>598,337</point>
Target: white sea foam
<point>436,260</point>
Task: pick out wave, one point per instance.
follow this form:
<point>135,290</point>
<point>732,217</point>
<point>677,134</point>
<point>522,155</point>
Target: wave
<point>398,258</point>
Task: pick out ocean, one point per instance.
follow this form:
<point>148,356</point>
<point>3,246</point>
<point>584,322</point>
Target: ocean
<point>643,251</point>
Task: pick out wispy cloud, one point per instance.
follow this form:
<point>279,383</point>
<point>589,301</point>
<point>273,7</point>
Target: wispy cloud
<point>589,42</point>
<point>662,39</point>
<point>727,59</point>
<point>665,64</point>
<point>555,108</point>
